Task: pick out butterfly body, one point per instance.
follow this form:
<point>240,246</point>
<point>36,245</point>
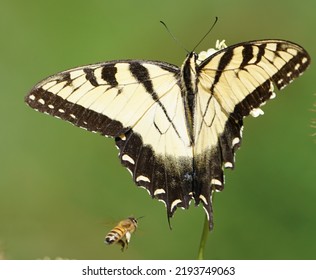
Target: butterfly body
<point>177,129</point>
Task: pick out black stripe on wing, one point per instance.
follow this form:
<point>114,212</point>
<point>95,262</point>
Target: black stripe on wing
<point>108,74</point>
<point>225,60</point>
<point>141,74</point>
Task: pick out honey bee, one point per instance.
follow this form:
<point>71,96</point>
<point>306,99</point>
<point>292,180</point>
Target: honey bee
<point>121,234</point>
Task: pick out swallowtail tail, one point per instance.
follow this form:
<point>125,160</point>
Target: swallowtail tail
<point>177,129</point>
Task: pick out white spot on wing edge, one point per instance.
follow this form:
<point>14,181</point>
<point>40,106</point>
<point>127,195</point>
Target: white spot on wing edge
<point>289,74</point>
<point>175,203</point>
<point>142,178</point>
<point>203,198</point>
<point>126,157</point>
<point>216,182</point>
<point>164,202</point>
<point>207,214</point>
<point>228,164</point>
<point>273,95</point>
<point>130,172</point>
<point>32,97</point>
<point>235,141</point>
<point>256,112</point>
<point>205,209</point>
<point>159,191</point>
<point>148,191</point>
<point>241,131</point>
<point>42,101</point>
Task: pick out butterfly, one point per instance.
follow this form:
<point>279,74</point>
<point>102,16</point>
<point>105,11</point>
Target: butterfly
<point>177,129</point>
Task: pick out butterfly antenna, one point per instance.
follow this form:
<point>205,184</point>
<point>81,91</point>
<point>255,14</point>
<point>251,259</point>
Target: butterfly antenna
<point>216,19</point>
<point>173,37</point>
<point>140,218</point>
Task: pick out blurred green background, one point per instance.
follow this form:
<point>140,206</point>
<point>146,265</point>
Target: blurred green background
<point>62,188</point>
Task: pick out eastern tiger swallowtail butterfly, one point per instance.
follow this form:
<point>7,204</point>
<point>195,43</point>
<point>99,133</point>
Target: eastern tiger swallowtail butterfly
<point>177,129</point>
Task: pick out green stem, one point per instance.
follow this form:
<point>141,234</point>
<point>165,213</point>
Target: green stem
<point>205,233</point>
<point>204,236</point>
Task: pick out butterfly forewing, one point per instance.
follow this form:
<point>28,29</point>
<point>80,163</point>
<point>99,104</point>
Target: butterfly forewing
<point>241,77</point>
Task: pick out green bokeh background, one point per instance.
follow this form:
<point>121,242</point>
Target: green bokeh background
<point>62,188</point>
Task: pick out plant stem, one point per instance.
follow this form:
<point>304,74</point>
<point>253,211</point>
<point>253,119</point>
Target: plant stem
<point>205,233</point>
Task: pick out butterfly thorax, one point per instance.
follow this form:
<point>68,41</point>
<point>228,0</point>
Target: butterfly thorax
<point>189,88</point>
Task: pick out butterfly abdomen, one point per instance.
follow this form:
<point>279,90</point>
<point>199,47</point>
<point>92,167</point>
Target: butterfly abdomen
<point>189,90</point>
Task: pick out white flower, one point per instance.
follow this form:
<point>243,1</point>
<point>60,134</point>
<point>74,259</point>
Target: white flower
<point>219,45</point>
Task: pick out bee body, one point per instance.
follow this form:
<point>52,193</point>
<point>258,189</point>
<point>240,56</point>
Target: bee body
<point>121,234</point>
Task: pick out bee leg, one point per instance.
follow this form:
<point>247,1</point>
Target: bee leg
<point>122,243</point>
